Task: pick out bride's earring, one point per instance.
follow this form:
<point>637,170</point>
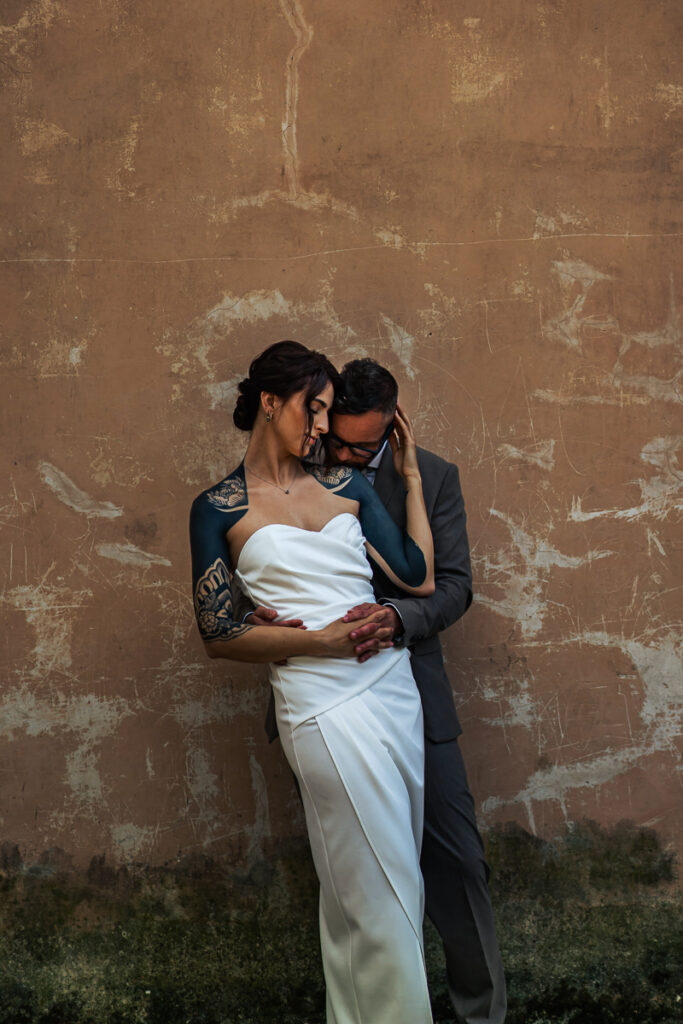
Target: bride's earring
<point>268,417</point>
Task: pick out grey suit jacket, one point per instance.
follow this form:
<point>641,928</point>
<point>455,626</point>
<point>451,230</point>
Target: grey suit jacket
<point>424,617</point>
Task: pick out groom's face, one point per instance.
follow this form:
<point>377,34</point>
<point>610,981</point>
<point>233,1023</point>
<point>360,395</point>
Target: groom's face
<point>355,440</point>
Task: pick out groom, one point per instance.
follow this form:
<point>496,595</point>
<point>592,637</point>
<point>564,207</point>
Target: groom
<point>455,872</point>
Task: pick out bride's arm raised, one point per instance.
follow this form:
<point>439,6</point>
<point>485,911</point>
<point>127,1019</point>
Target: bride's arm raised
<point>213,513</point>
<point>406,558</point>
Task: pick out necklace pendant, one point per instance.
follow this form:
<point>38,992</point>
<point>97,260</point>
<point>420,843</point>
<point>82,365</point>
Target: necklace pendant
<point>287,491</point>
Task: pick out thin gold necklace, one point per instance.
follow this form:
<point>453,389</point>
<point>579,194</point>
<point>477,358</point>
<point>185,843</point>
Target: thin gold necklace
<point>285,490</point>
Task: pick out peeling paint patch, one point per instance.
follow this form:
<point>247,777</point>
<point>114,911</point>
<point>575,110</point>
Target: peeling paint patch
<point>40,135</point>
<point>670,95</point>
<point>660,494</point>
<point>68,492</point>
<point>478,75</point>
<point>61,357</point>
<point>523,577</point>
<point>659,664</point>
<point>129,554</point>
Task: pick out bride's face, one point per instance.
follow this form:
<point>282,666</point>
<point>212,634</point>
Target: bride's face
<point>300,421</point>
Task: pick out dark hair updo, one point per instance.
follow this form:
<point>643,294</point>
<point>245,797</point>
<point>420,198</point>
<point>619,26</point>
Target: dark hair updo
<point>283,369</point>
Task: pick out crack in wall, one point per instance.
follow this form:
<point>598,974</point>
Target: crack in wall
<point>303,34</point>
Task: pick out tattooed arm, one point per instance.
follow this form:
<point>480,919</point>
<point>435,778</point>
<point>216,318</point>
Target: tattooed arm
<point>406,558</point>
<point>213,514</point>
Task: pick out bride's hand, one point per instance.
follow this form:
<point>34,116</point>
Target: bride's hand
<point>403,446</point>
<point>336,641</point>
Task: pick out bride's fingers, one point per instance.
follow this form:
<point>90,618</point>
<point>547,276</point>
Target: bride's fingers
<point>403,422</point>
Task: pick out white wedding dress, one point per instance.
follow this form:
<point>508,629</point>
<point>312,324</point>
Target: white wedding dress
<point>353,736</point>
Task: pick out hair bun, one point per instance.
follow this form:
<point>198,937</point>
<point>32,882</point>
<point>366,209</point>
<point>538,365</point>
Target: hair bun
<point>246,407</point>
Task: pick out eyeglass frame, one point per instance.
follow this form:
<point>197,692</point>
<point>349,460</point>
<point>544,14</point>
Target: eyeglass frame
<point>360,449</point>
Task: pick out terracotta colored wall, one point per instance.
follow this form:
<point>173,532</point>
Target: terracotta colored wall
<point>480,195</point>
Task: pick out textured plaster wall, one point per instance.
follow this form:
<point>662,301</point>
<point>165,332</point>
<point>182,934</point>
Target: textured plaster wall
<point>480,195</point>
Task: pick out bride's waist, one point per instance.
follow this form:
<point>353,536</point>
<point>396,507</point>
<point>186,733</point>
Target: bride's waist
<point>317,610</point>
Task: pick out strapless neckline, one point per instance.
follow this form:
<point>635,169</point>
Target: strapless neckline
<point>288,526</point>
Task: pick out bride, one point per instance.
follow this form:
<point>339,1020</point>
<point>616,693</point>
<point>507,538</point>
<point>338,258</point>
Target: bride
<point>298,538</point>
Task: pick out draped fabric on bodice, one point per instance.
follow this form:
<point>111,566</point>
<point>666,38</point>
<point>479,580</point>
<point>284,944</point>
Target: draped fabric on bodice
<point>316,576</point>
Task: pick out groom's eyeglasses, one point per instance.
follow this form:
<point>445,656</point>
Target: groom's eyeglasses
<point>361,450</point>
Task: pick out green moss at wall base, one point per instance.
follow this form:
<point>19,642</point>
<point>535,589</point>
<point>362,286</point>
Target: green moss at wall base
<point>199,944</point>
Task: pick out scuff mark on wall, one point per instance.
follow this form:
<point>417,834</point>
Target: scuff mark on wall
<point>540,454</point>
<point>568,328</point>
<point>68,492</point>
<point>129,554</point>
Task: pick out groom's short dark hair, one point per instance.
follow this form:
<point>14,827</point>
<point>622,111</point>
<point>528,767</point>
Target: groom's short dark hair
<point>365,387</point>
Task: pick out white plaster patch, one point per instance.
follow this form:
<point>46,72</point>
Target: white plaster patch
<point>260,829</point>
<point>133,840</point>
<point>68,492</point>
<point>91,719</point>
<point>556,782</point>
<point>129,554</point>
<point>49,609</point>
<point>540,454</point>
<point>523,577</point>
<point>402,344</point>
<point>570,328</point>
<point>659,664</point>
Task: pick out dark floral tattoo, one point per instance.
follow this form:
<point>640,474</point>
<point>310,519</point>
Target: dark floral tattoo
<point>228,494</point>
<point>213,604</point>
<point>331,476</point>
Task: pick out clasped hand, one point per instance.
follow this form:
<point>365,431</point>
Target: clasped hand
<point>369,638</point>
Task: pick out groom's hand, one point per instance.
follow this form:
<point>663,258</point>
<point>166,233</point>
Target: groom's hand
<point>376,635</point>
